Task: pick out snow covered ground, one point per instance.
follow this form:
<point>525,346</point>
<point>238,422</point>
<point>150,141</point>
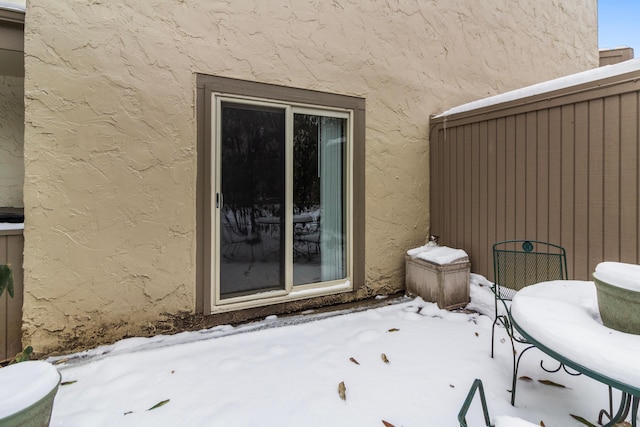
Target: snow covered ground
<point>405,362</point>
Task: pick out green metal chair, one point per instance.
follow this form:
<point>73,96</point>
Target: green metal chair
<point>501,421</point>
<point>462,415</point>
<point>516,265</point>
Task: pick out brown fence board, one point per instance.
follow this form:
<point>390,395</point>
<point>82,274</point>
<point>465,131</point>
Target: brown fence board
<point>629,185</point>
<point>531,174</point>
<point>542,188</point>
<point>492,187</point>
<point>4,300</point>
<point>483,193</point>
<point>519,176</point>
<point>567,183</point>
<point>581,199</point>
<point>555,174</point>
<point>611,190</point>
<point>501,181</point>
<point>596,154</point>
<point>11,247</point>
<point>510,178</point>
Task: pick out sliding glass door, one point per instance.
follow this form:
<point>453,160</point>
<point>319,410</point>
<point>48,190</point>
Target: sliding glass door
<point>281,186</point>
<point>319,149</point>
<point>252,183</point>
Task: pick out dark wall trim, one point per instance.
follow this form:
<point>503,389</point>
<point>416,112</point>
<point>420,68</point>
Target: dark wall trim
<point>205,86</point>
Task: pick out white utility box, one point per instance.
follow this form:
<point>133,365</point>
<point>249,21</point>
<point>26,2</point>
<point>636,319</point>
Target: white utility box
<point>438,274</point>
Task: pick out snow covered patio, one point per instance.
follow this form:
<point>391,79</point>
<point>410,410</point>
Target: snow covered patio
<point>406,363</point>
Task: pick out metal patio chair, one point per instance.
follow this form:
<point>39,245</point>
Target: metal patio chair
<point>462,415</point>
<point>477,387</point>
<point>516,265</point>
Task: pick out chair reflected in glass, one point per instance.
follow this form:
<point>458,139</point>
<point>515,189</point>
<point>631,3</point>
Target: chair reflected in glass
<point>306,236</point>
<point>239,238</point>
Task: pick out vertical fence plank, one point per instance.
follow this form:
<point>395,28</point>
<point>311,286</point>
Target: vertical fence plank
<point>581,199</point>
<point>596,206</point>
<point>567,182</point>
<point>629,179</point>
<point>458,226</point>
<point>501,181</point>
<point>519,177</point>
<point>15,245</point>
<point>510,183</point>
<point>611,190</point>
<point>457,188</point>
<point>542,179</point>
<point>465,240</point>
<point>555,173</point>
<point>4,300</point>
<point>474,213</point>
<point>531,174</point>
<point>484,194</point>
<point>436,178</point>
<point>11,248</point>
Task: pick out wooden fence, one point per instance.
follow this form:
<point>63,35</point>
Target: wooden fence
<point>560,166</point>
<point>11,244</point>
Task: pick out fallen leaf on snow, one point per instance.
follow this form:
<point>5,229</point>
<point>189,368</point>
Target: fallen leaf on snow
<point>384,358</point>
<point>342,391</point>
<point>583,421</point>
<point>354,360</point>
<point>159,404</point>
<point>551,383</point>
<point>387,424</point>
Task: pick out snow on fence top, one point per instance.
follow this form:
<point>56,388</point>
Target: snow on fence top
<point>549,86</point>
<point>12,6</point>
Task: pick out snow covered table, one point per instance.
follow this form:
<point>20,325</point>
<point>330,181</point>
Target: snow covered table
<point>561,318</point>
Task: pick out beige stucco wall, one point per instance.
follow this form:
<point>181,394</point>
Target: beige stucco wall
<point>111,129</point>
<point>11,140</point>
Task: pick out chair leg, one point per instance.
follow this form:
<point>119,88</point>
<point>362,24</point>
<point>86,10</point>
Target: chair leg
<point>462,415</point>
<point>505,323</point>
<point>516,366</point>
<point>493,329</point>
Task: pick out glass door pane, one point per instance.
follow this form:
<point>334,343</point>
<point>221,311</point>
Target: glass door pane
<point>319,198</point>
<point>252,200</point>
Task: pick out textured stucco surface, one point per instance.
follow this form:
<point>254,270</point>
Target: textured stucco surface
<point>11,140</point>
<point>110,158</point>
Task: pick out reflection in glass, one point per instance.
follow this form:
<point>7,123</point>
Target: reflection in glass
<point>253,191</point>
<point>319,151</point>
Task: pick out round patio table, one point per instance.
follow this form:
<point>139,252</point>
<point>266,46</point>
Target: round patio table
<point>561,319</point>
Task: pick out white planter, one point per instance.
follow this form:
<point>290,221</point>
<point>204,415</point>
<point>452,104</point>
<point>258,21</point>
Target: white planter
<point>27,393</point>
<point>618,287</point>
<point>445,284</point>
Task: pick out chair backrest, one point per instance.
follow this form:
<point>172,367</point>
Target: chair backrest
<point>520,263</point>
